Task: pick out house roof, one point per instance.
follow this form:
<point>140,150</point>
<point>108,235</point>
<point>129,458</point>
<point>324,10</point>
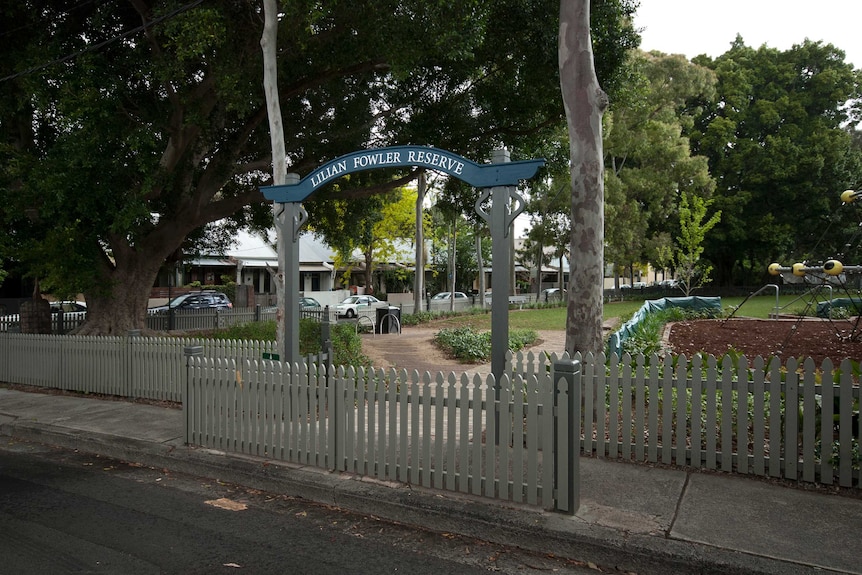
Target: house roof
<point>253,250</point>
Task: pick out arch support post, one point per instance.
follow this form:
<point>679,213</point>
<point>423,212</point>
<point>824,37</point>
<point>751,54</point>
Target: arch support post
<point>500,219</point>
<point>291,220</point>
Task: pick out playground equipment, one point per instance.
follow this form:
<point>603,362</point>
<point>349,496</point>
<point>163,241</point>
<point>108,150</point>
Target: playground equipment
<point>827,277</point>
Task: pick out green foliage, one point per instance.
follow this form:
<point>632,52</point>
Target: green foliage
<point>692,270</point>
<point>647,335</point>
<point>252,331</point>
<point>115,159</point>
<point>347,347</point>
<point>649,162</point>
<point>778,146</point>
<point>346,344</point>
<point>467,344</point>
<point>835,453</point>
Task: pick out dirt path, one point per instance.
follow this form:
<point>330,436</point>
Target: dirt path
<point>414,349</point>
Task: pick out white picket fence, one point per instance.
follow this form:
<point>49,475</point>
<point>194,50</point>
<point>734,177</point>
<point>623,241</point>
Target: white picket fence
<point>789,421</point>
<point>135,367</point>
<point>438,432</point>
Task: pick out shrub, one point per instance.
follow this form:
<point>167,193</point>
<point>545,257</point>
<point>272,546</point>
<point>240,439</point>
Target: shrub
<point>467,344</point>
<point>253,331</point>
<point>346,344</point>
<point>347,347</point>
<point>647,333</point>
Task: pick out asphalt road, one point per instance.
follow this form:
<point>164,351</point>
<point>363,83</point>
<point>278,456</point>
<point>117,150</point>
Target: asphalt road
<point>66,512</point>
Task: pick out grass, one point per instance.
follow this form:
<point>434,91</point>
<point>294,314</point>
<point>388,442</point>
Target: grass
<point>554,318</point>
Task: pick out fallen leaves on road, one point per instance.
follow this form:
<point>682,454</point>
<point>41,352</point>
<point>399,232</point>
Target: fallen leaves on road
<point>224,503</point>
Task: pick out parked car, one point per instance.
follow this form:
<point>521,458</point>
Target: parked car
<point>309,303</point>
<point>68,306</point>
<point>669,283</point>
<point>636,285</point>
<point>206,299</point>
<point>445,295</point>
<point>351,306</point>
<point>305,303</point>
<point>552,294</point>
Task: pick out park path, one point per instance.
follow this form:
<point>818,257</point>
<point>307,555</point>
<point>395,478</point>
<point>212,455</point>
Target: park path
<point>414,348</point>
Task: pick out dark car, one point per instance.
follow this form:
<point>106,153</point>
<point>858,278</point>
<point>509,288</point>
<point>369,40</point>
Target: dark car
<point>308,303</point>
<point>68,306</point>
<point>196,300</point>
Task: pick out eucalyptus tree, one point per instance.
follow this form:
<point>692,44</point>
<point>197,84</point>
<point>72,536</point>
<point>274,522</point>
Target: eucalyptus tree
<point>648,160</point>
<point>779,140</point>
<point>585,103</point>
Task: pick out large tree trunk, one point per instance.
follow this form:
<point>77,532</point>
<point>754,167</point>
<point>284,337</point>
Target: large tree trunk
<point>120,304</point>
<point>585,103</point>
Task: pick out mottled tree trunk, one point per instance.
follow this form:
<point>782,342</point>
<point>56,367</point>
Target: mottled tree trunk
<point>585,103</point>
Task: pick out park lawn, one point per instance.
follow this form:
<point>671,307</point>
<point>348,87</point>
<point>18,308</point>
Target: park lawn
<point>555,318</point>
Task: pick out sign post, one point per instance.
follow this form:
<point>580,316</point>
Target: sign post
<point>291,219</point>
<point>499,180</point>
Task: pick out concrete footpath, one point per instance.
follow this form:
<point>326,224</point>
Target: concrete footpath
<point>634,518</point>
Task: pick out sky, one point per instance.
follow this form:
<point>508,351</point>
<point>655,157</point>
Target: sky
<point>694,27</point>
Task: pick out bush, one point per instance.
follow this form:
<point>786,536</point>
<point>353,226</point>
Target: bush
<point>647,333</point>
<point>467,344</point>
<point>346,344</point>
<point>347,347</point>
<point>254,331</point>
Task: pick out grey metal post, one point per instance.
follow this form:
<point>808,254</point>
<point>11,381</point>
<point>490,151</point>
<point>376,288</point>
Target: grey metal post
<point>190,351</point>
<point>500,284</point>
<point>500,221</point>
<point>570,478</point>
<point>290,222</point>
<point>326,344</point>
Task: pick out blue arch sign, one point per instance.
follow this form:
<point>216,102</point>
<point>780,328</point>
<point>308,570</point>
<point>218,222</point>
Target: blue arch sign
<point>477,175</point>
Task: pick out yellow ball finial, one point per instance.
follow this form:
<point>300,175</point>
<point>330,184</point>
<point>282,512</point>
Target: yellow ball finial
<point>833,267</point>
<point>848,196</point>
<point>798,269</point>
<point>774,269</point>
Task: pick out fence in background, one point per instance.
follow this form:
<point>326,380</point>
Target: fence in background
<point>135,367</point>
<point>206,319</point>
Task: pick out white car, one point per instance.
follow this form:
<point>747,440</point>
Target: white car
<point>351,306</point>
<point>445,295</point>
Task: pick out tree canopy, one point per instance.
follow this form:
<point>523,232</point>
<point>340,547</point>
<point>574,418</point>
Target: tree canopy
<point>648,160</point>
<point>128,128</point>
<point>778,136</point>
